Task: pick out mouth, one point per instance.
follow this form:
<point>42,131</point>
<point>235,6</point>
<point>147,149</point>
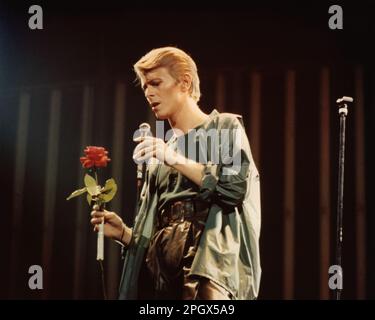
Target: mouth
<point>154,105</point>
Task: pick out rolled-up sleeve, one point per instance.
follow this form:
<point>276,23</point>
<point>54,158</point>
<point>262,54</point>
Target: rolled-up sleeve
<point>225,182</point>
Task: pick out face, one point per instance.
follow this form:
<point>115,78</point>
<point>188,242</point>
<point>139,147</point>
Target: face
<point>163,93</point>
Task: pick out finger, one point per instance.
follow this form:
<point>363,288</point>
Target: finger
<point>140,157</point>
<point>108,215</point>
<point>97,214</point>
<point>139,139</point>
<point>143,138</point>
<point>137,148</point>
<point>143,152</point>
<point>96,207</point>
<point>96,221</point>
<point>146,156</point>
<point>149,140</point>
<point>143,144</point>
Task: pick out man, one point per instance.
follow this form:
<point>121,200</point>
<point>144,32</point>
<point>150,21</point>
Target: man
<point>196,234</point>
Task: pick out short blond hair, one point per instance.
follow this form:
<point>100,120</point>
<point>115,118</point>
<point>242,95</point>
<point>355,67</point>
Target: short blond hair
<point>176,61</point>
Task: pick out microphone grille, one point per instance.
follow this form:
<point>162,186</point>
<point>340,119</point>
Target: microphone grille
<point>144,126</point>
<point>344,99</point>
<point>144,130</point>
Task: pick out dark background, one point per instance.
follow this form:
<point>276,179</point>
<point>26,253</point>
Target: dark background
<point>89,45</point>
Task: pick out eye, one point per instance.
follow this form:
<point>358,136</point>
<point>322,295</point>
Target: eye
<point>155,83</point>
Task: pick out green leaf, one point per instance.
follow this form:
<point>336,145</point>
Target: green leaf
<point>109,190</point>
<point>109,185</point>
<point>94,190</point>
<point>77,193</point>
<point>89,198</point>
<point>90,183</point>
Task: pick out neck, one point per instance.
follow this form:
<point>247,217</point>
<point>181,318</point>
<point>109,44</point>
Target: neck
<point>187,117</point>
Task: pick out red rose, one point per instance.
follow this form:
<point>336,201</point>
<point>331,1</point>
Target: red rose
<point>95,156</point>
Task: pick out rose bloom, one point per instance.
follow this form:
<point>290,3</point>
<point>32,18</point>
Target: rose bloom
<point>95,157</point>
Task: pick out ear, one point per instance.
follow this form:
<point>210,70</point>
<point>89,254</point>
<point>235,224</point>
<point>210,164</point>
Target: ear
<point>185,81</point>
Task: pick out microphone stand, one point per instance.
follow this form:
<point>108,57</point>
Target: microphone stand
<point>100,235</point>
<point>343,112</point>
<point>100,243</point>
<point>144,130</point>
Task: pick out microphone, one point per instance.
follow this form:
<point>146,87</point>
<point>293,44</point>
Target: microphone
<point>344,99</point>
<point>342,104</point>
<point>144,131</point>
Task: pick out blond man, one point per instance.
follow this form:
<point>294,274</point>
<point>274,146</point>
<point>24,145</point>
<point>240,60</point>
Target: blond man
<point>196,233</point>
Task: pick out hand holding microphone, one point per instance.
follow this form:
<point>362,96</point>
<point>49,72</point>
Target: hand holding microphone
<point>151,147</point>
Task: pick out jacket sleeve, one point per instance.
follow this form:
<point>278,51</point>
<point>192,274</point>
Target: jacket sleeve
<point>225,181</point>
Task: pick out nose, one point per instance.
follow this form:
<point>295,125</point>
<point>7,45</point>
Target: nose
<point>149,93</point>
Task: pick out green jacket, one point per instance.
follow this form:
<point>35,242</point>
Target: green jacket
<point>228,251</point>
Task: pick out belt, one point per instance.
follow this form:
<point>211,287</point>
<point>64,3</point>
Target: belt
<point>184,210</point>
